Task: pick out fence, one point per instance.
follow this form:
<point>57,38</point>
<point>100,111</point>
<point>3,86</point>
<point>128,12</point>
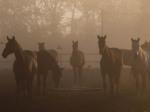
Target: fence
<point>91,60</point>
<point>64,59</point>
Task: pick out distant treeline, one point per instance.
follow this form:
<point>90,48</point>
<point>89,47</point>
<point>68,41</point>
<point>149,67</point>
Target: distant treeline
<point>72,17</point>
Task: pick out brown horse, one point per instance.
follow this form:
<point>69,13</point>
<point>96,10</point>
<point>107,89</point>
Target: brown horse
<point>52,52</point>
<point>47,63</point>
<point>77,60</point>
<point>111,64</point>
<point>54,55</point>
<point>24,68</point>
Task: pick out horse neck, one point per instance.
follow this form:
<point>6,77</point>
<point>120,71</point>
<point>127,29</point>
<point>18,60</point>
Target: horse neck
<point>75,51</point>
<point>140,51</point>
<point>19,54</point>
<point>42,49</point>
<point>106,52</point>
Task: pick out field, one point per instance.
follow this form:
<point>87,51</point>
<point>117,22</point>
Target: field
<point>73,101</point>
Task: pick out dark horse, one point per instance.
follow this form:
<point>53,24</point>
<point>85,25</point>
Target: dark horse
<point>77,60</point>
<point>24,68</point>
<point>52,52</point>
<point>47,63</point>
<point>111,64</point>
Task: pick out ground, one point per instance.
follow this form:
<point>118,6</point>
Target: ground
<point>73,101</point>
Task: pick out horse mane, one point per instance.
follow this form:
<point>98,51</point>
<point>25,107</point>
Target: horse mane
<point>20,50</point>
<point>141,51</point>
<point>49,58</point>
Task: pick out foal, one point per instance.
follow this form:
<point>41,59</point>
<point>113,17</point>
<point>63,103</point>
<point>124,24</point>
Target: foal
<point>111,63</point>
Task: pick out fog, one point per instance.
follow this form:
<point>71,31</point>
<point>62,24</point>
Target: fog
<point>59,22</point>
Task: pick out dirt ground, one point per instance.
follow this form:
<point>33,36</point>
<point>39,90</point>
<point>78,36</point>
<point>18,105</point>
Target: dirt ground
<point>73,101</point>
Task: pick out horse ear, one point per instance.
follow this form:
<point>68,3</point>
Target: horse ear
<point>13,37</point>
<point>77,41</point>
<point>8,38</point>
<point>132,39</point>
<point>73,41</point>
<point>98,36</point>
<point>43,43</point>
<point>138,38</point>
<point>38,43</point>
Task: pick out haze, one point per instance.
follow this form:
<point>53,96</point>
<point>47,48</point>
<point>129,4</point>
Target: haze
<point>58,22</point>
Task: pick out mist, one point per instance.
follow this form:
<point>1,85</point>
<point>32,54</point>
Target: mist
<point>59,22</point>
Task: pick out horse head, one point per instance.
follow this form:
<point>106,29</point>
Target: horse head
<point>10,47</point>
<point>146,45</point>
<point>57,77</point>
<point>41,46</point>
<point>101,43</point>
<point>75,45</point>
<point>136,48</point>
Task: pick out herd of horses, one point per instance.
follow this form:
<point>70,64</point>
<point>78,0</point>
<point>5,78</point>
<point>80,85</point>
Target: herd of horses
<point>29,63</point>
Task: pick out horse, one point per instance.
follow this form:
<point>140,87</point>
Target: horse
<point>77,61</point>
<point>146,45</point>
<point>52,52</point>
<point>140,64</point>
<point>128,55</point>
<point>47,63</point>
<point>111,63</point>
<point>24,67</point>
<point>54,55</point>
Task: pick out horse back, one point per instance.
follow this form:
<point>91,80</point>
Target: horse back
<point>46,61</point>
<point>82,57</point>
<point>54,54</point>
<point>127,57</point>
<point>31,61</point>
<point>30,53</point>
<point>117,56</point>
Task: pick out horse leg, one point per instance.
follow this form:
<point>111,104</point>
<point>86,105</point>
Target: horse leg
<point>111,80</point>
<point>38,83</point>
<point>137,82</point>
<point>80,75</point>
<point>18,88</point>
<point>143,82</point>
<point>148,78</point>
<point>29,86</point>
<point>117,82</point>
<point>75,77</point>
<point>23,87</point>
<point>104,82</point>
<point>44,82</point>
<point>31,81</point>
